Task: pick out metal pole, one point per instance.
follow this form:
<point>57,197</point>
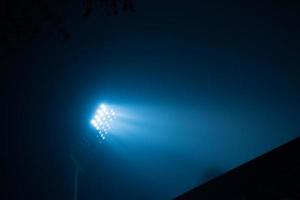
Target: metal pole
<point>76,177</point>
<point>76,181</point>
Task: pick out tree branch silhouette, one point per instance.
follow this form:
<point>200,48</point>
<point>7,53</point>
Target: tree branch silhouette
<point>22,21</point>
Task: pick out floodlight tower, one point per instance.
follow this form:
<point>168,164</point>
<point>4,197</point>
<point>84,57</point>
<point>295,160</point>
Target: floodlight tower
<point>102,122</point>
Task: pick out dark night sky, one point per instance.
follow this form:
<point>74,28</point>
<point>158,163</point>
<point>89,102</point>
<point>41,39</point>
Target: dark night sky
<point>204,87</point>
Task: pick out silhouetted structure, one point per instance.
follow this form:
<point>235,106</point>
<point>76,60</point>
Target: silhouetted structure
<point>274,175</point>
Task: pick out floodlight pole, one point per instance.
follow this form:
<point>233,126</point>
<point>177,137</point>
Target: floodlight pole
<point>76,182</point>
<point>76,163</point>
<point>76,177</point>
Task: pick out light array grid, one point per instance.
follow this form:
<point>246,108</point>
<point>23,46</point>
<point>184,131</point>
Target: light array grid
<point>102,121</point>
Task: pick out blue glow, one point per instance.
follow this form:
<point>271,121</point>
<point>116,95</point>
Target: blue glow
<point>195,95</point>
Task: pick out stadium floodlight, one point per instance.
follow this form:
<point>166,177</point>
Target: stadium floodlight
<point>102,121</point>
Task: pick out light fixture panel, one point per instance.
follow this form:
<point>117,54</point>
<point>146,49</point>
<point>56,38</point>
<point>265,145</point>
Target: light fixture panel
<point>102,121</point>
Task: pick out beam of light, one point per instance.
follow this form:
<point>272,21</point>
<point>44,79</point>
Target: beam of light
<point>102,121</point>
